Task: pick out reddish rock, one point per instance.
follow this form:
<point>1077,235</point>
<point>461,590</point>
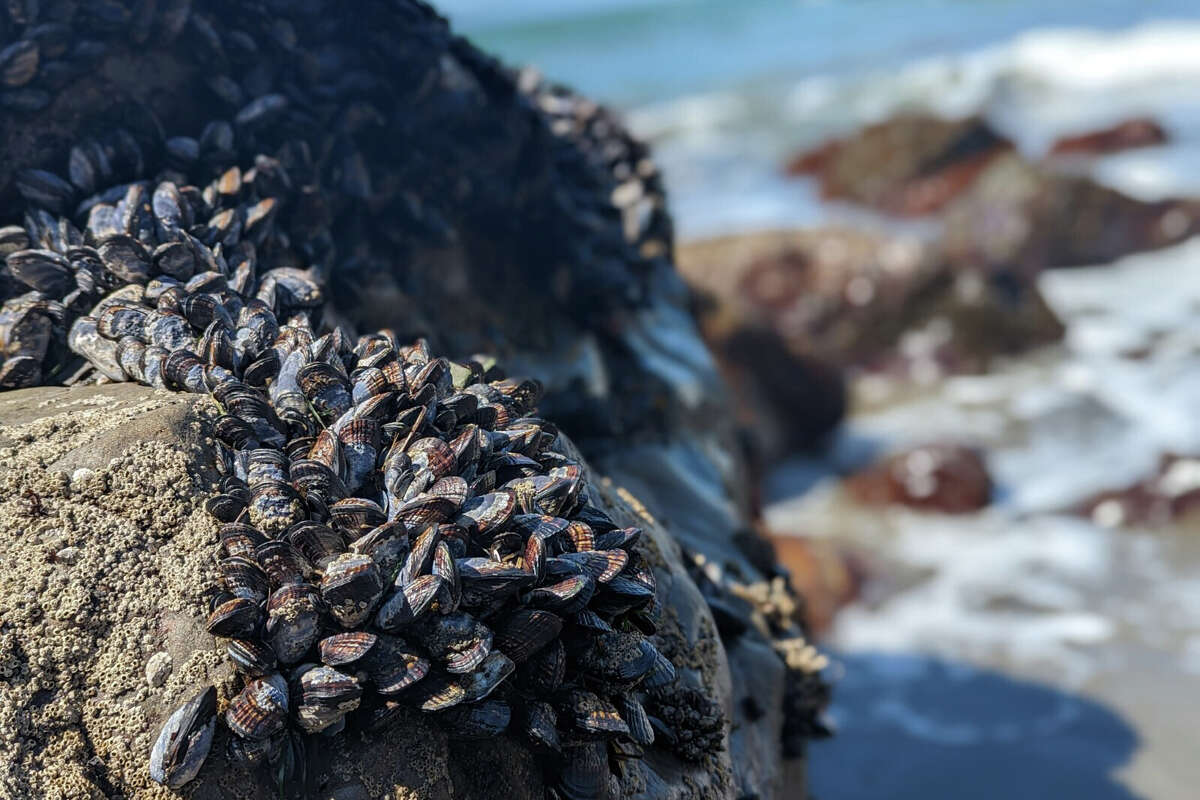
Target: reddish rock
<point>786,312</point>
<point>909,165</point>
<point>1023,218</point>
<point>938,477</point>
<point>1137,132</point>
<point>1167,497</point>
<point>827,576</point>
<point>813,162</point>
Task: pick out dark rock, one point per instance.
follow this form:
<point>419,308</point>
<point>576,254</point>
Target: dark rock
<point>492,212</point>
<point>785,313</point>
<point>941,477</point>
<point>908,165</point>
<point>1022,218</point>
<point>1125,135</point>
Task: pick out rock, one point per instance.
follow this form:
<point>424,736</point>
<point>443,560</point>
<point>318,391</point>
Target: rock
<point>908,165</point>
<point>826,576</point>
<point>1022,218</point>
<point>1125,135</point>
<point>484,208</point>
<point>68,555</point>
<point>133,609</point>
<point>158,669</point>
<point>827,300</point>
<point>948,478</point>
<point>1168,497</point>
<point>1001,213</point>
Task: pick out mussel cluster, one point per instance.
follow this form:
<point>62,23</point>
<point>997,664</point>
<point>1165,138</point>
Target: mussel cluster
<point>396,530</point>
<point>398,533</point>
<point>149,260</point>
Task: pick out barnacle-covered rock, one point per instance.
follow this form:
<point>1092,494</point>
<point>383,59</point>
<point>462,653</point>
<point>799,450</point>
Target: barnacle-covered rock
<point>143,463</point>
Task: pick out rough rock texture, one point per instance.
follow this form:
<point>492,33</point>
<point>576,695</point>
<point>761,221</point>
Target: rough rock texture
<point>487,210</point>
<point>105,562</point>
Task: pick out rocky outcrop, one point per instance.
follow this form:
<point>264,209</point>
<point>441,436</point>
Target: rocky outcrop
<point>787,312</point>
<point>909,165</point>
<point>999,211</point>
<point>1125,135</point>
<point>106,553</point>
<point>943,477</point>
<point>1023,218</point>
<point>480,207</point>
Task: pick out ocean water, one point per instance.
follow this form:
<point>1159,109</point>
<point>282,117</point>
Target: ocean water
<point>727,89</point>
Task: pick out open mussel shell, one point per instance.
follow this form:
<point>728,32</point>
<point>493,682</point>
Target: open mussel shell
<point>184,742</point>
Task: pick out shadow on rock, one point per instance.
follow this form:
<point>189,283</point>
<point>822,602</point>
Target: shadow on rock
<point>913,726</point>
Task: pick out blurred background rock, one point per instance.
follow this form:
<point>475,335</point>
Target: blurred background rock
<point>943,252</point>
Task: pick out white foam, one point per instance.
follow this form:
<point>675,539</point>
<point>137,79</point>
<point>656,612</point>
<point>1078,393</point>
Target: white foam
<point>997,589</point>
<point>720,145</point>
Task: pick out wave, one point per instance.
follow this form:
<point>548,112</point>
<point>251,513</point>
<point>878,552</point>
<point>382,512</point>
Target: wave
<point>1036,87</point>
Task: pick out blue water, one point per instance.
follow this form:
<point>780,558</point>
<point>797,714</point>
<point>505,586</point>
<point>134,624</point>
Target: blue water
<point>632,52</point>
<point>725,90</point>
